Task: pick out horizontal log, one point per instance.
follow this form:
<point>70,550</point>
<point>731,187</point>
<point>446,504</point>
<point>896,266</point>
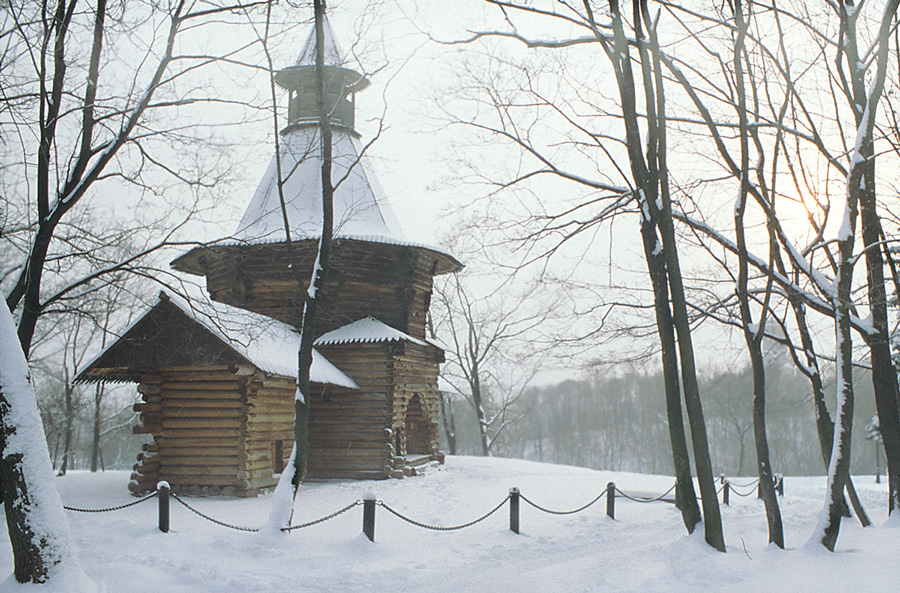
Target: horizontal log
<point>335,474</point>
<point>144,479</point>
<point>220,403</point>
<point>149,388</point>
<point>261,483</point>
<point>258,465</point>
<point>356,420</point>
<point>192,374</point>
<point>353,453</point>
<point>267,418</point>
<point>362,439</point>
<point>256,475</point>
<point>261,454</point>
<point>212,368</point>
<point>173,459</point>
<point>150,418</point>
<point>233,395</point>
<point>175,423</point>
<point>212,454</point>
<point>192,441</point>
<point>178,412</point>
<point>194,470</point>
<point>188,384</point>
<point>147,407</point>
<point>178,480</point>
<point>142,429</point>
<point>277,383</point>
<point>174,433</point>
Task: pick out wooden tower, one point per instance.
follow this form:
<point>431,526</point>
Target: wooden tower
<point>379,417</point>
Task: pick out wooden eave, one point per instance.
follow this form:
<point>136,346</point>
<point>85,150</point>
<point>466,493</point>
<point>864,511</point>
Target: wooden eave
<point>192,261</point>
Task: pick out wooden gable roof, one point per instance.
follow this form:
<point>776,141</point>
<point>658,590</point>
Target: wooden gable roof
<point>175,333</point>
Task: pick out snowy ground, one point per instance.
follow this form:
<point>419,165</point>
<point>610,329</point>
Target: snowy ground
<point>644,549</point>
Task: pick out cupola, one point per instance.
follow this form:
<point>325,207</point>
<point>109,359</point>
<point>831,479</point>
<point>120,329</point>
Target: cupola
<point>341,84</point>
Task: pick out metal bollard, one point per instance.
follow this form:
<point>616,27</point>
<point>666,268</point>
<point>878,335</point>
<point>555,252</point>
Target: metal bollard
<point>514,496</point>
<point>369,518</point>
<point>611,500</point>
<point>779,484</point>
<point>162,492</point>
<point>726,491</point>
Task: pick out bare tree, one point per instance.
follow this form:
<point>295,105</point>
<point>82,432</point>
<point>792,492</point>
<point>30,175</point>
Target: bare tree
<point>72,138</point>
<point>645,186</point>
<point>494,347</point>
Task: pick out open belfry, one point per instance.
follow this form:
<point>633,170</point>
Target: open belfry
<point>218,378</point>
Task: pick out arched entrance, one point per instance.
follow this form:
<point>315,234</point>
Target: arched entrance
<point>417,425</point>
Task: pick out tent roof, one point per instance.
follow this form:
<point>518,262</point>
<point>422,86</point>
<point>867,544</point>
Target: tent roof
<point>365,331</point>
<point>360,208</point>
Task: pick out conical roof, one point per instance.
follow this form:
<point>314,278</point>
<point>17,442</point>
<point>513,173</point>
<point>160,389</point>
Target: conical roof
<point>360,208</point>
<point>333,54</point>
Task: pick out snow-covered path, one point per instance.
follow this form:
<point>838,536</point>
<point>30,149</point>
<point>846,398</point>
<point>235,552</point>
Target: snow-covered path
<point>645,549</point>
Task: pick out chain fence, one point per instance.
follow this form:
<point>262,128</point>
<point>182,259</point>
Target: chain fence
<point>571,512</point>
<point>439,527</point>
<point>163,493</point>
<point>111,509</point>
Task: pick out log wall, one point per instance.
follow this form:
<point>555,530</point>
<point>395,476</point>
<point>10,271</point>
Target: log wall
<point>389,282</point>
<point>267,429</point>
<point>349,430</point>
<point>194,415</point>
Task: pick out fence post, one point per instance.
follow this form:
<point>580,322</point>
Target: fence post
<point>162,492</point>
<point>779,484</point>
<point>611,500</point>
<point>726,492</point>
<point>369,518</point>
<point>721,478</point>
<point>514,510</point>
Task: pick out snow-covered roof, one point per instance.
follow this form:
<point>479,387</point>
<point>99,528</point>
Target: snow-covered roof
<point>267,344</point>
<point>360,207</point>
<point>365,331</point>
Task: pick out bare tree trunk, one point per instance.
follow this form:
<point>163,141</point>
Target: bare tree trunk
<point>824,423</point>
<point>95,433</point>
<point>751,337</point>
<point>37,526</point>
<point>67,426</point>
<point>656,264</point>
<point>884,375</point>
<point>448,421</point>
<point>478,402</point>
<point>839,468</point>
<point>314,293</point>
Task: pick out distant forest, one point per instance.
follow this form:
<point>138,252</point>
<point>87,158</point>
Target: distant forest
<point>616,421</point>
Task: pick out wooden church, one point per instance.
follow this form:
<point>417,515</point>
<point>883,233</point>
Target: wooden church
<point>217,378</point>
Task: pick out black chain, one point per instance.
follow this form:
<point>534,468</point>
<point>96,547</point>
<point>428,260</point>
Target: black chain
<point>109,509</point>
<point>438,527</point>
<point>552,512</point>
<point>644,499</point>
<point>323,519</point>
<point>752,484</point>
<point>744,494</point>
<point>210,519</point>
